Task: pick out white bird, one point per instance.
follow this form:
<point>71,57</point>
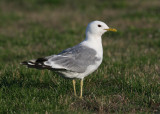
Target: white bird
<point>78,61</point>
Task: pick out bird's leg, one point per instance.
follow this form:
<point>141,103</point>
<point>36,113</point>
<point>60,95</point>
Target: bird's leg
<point>81,88</point>
<point>74,87</point>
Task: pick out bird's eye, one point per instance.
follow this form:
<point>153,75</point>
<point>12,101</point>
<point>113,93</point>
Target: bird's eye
<point>99,25</point>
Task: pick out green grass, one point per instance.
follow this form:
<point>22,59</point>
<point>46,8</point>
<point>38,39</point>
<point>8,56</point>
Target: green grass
<point>128,80</point>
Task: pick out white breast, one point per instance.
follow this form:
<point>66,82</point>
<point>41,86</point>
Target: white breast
<point>97,46</point>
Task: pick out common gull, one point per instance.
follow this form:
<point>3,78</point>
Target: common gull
<point>78,61</point>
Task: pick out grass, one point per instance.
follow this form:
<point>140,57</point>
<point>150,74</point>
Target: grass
<point>128,81</point>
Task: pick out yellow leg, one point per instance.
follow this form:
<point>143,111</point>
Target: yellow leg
<point>81,88</point>
<point>74,87</point>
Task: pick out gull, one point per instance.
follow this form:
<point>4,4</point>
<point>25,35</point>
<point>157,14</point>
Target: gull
<point>79,61</point>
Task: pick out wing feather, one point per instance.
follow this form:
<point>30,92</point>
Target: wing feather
<point>75,59</point>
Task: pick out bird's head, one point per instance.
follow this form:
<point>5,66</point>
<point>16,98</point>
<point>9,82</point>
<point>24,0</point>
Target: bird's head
<point>97,28</point>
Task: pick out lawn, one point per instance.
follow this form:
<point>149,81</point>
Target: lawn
<point>128,80</point>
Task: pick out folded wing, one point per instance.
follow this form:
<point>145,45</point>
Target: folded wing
<point>75,59</point>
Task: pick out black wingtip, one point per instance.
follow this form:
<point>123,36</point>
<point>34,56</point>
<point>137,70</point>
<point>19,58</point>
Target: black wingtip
<point>41,60</point>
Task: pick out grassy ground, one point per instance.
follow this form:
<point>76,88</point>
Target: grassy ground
<point>128,81</point>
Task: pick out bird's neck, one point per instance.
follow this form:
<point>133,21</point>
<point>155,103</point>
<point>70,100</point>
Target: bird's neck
<point>94,39</point>
<point>94,42</point>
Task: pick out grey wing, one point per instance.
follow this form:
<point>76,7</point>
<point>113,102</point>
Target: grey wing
<point>75,59</point>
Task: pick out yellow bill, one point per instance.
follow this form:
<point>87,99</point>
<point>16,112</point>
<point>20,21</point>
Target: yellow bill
<point>111,29</point>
